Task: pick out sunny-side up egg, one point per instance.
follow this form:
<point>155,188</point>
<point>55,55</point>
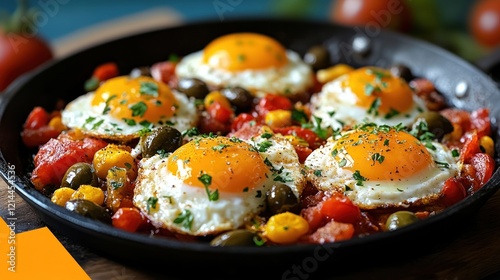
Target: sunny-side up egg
<point>253,61</point>
<point>367,94</point>
<point>123,106</point>
<point>381,166</point>
<point>214,184</point>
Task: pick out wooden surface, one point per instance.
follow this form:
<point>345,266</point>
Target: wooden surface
<point>474,253</point>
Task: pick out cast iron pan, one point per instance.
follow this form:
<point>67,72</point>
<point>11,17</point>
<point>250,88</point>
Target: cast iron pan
<point>464,86</point>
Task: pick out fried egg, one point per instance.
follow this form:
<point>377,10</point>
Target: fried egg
<point>381,166</point>
<point>367,94</point>
<point>214,184</point>
<point>122,107</point>
<point>253,61</point>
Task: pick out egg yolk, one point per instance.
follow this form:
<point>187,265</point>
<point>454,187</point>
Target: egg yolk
<point>135,100</point>
<point>381,155</point>
<point>242,51</point>
<point>378,91</point>
<point>219,163</point>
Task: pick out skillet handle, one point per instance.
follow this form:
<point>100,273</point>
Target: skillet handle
<point>490,64</point>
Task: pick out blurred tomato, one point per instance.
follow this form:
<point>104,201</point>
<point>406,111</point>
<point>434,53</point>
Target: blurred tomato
<point>390,14</point>
<point>20,54</point>
<point>484,22</point>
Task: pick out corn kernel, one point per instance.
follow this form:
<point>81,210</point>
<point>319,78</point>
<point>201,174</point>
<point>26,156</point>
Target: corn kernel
<point>285,228</point>
<point>487,144</point>
<point>57,124</point>
<point>89,192</point>
<point>331,73</point>
<point>112,155</point>
<point>278,118</point>
<point>62,195</point>
<point>216,96</point>
<point>297,141</point>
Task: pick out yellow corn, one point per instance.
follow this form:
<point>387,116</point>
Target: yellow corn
<point>62,195</point>
<point>331,73</point>
<point>285,228</point>
<point>216,96</point>
<point>89,192</point>
<point>278,118</point>
<point>113,155</point>
<point>117,187</point>
<point>487,143</point>
<point>57,124</point>
<point>297,141</point>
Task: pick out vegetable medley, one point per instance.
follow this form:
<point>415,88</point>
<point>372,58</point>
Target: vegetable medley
<point>248,143</point>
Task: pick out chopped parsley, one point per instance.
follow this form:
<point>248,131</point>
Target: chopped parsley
<point>317,173</point>
<point>191,132</point>
<point>106,107</point>
<point>378,157</point>
<point>149,88</point>
<point>359,179</point>
<point>185,218</point>
<point>151,203</point>
<point>207,181</point>
<point>299,116</point>
<point>266,135</point>
<point>220,147</point>
<point>97,124</point>
<point>139,109</point>
<point>130,122</point>
<point>392,113</point>
<point>455,153</point>
<point>263,146</point>
<point>374,107</point>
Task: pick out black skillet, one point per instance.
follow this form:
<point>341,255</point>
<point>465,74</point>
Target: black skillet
<point>464,86</point>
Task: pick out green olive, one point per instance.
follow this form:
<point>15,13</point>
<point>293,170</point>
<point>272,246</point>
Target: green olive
<point>318,57</point>
<point>165,139</point>
<point>140,72</point>
<point>400,219</point>
<point>280,198</point>
<point>78,174</point>
<point>193,87</point>
<point>436,123</point>
<point>402,71</point>
<point>241,98</point>
<point>239,237</point>
<point>89,209</point>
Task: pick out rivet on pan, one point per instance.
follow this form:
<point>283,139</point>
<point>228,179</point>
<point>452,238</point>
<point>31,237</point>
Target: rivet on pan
<point>461,89</point>
<point>361,45</point>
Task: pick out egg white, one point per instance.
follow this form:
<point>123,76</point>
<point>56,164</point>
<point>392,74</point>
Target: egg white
<point>336,106</point>
<point>230,211</point>
<point>80,114</point>
<point>325,174</point>
<point>295,77</point>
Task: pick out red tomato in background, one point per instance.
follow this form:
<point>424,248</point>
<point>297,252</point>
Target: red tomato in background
<point>20,54</point>
<point>484,22</point>
<point>390,14</point>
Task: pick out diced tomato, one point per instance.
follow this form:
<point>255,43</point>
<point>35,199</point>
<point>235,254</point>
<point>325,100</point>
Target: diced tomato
<point>484,166</point>
<point>470,148</point>
<point>313,216</point>
<point>58,154</point>
<point>37,118</point>
<point>341,209</point>
<point>240,120</point>
<point>33,138</point>
<point>165,72</point>
<point>220,112</point>
<point>209,124</point>
<point>128,219</point>
<point>106,71</point>
<point>457,117</point>
<point>271,102</point>
<point>247,131</point>
<point>310,136</point>
<point>453,191</point>
<point>302,152</point>
<point>331,232</point>
<point>480,122</point>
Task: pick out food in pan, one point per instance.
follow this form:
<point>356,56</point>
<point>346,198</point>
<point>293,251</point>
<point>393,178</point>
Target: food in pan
<point>361,151</point>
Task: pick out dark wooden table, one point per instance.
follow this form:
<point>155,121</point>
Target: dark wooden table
<point>474,253</point>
